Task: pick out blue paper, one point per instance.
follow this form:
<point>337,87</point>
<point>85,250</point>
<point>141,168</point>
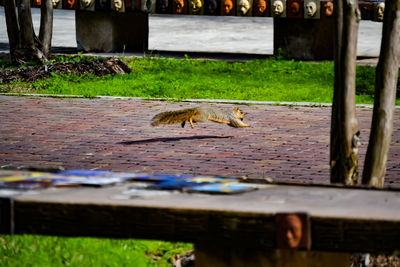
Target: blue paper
<point>223,188</point>
<point>175,185</point>
<point>161,177</point>
<point>84,172</point>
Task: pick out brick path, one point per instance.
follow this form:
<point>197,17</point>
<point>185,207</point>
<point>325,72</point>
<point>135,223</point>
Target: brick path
<point>284,143</point>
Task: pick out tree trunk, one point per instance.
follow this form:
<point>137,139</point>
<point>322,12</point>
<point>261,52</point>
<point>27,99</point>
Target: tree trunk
<point>12,27</point>
<point>344,125</point>
<point>385,97</point>
<point>46,26</point>
<point>24,45</point>
<point>29,43</point>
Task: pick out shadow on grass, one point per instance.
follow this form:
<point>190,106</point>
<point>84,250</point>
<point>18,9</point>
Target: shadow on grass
<point>172,139</point>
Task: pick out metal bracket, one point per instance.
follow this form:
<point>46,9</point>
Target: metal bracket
<point>293,231</point>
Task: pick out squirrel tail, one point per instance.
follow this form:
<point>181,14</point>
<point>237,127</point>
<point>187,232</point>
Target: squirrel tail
<point>170,117</point>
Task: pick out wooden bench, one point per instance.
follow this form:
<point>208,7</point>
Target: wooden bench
<point>247,229</point>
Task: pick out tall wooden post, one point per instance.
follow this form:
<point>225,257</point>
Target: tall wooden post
<point>344,125</point>
<point>385,97</point>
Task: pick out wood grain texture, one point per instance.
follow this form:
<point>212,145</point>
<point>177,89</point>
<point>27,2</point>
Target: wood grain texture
<point>216,256</point>
<point>344,124</point>
<point>249,230</point>
<point>342,220</point>
<point>6,216</point>
<point>354,235</point>
<point>385,98</point>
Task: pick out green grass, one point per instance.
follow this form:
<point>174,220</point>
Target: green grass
<point>254,80</point>
<point>32,250</point>
<point>262,80</point>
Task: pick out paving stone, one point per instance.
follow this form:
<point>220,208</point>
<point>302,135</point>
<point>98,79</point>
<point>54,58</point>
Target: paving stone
<point>284,143</point>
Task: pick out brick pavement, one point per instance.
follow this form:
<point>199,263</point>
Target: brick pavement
<point>284,143</point>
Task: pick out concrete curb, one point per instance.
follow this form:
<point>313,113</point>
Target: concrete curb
<point>224,101</point>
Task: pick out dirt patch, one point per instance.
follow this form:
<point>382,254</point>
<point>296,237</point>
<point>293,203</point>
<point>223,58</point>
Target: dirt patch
<point>98,67</point>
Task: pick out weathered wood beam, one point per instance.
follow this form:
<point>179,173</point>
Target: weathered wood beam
<point>344,124</point>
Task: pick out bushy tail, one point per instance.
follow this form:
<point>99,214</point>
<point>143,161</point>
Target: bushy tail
<point>170,117</point>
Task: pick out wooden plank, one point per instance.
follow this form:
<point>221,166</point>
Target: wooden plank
<point>144,222</point>
<point>341,219</point>
<point>355,235</point>
<point>210,255</point>
<point>6,216</point>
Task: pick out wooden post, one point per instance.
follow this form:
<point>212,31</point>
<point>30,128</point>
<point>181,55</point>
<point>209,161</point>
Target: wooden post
<point>209,255</point>
<point>344,125</point>
<point>385,97</point>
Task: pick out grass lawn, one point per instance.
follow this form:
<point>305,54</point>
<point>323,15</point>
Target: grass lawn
<point>262,80</point>
<point>31,250</point>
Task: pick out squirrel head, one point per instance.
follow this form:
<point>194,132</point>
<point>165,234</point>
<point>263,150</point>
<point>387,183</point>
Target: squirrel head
<point>239,114</point>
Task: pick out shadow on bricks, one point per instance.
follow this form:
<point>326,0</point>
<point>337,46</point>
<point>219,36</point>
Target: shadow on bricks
<point>171,139</point>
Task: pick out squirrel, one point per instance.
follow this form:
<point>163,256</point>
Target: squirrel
<point>233,118</point>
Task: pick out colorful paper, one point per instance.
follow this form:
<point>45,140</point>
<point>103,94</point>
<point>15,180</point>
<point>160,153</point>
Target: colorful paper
<point>224,188</point>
